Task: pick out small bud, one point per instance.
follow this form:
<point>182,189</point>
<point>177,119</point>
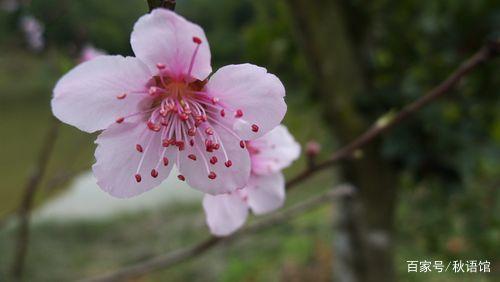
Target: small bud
<point>313,148</point>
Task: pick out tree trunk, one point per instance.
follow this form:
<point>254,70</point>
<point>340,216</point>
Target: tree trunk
<point>324,37</point>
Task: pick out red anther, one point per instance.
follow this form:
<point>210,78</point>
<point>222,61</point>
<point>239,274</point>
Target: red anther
<point>222,113</point>
<point>121,96</point>
<point>215,100</point>
<point>191,142</point>
<point>156,128</point>
<point>192,131</point>
<point>181,177</point>
<point>138,178</point>
<point>313,148</point>
<point>212,175</point>
<point>209,131</point>
<point>163,113</point>
<point>160,66</point>
<point>180,144</point>
<point>120,120</point>
<point>184,116</point>
<point>228,163</point>
<point>216,146</point>
<point>255,128</point>
<point>166,143</point>
<point>139,149</point>
<point>154,173</point>
<point>213,160</point>
<point>165,161</point>
<point>152,90</point>
<point>151,125</point>
<point>204,118</point>
<point>196,40</point>
<point>193,157</point>
<point>242,144</point>
<point>238,114</point>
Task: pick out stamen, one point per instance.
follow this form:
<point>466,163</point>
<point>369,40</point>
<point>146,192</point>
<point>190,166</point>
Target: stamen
<point>222,113</point>
<point>255,128</point>
<point>138,178</point>
<point>160,66</point>
<point>181,177</point>
<point>212,175</point>
<point>192,156</point>
<point>238,114</point>
<point>139,148</point>
<point>120,120</point>
<point>209,131</point>
<point>242,144</point>
<point>196,40</point>
<point>121,96</point>
<point>165,161</point>
<point>228,163</point>
<point>213,160</point>
<point>154,173</point>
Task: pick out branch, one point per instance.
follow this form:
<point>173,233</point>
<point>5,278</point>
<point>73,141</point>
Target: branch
<point>176,257</point>
<point>167,4</point>
<point>486,53</point>
<point>489,51</point>
<point>26,204</point>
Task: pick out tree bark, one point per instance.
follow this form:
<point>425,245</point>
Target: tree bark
<point>324,37</point>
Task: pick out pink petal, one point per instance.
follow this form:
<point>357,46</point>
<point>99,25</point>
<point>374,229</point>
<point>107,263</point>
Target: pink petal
<point>227,178</point>
<point>167,38</point>
<point>86,97</point>
<point>266,193</point>
<point>258,94</point>
<point>224,213</point>
<point>276,151</point>
<point>118,159</point>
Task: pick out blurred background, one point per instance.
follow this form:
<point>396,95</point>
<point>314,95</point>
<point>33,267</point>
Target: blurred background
<point>429,190</point>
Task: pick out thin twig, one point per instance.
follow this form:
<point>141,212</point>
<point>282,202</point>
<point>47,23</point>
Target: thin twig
<point>26,204</point>
<point>171,259</point>
<point>489,51</point>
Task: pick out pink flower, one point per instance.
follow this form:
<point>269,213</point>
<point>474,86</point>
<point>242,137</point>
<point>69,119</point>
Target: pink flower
<point>89,52</point>
<point>265,191</point>
<point>158,109</point>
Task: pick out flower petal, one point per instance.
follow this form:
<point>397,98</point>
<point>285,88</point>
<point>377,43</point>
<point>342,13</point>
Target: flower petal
<point>86,97</point>
<point>167,38</point>
<point>274,151</point>
<point>118,159</point>
<point>227,178</point>
<point>224,213</point>
<point>266,193</point>
<point>258,94</point>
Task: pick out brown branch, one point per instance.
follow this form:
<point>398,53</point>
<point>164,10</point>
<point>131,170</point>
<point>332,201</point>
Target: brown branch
<point>167,4</point>
<point>489,51</point>
<point>26,204</point>
<point>176,257</point>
